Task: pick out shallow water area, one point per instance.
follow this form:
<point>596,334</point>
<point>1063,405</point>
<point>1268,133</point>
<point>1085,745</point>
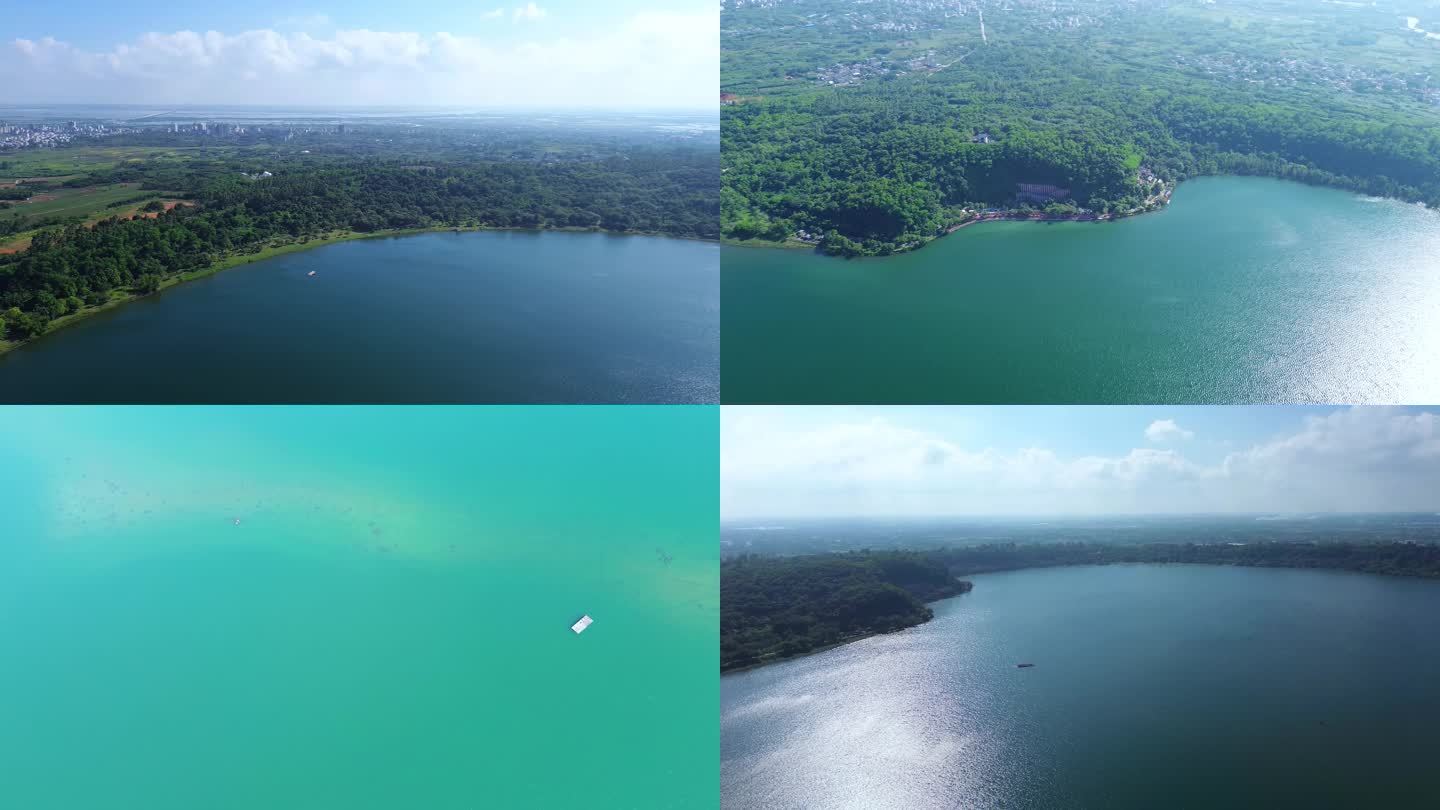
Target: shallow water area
<point>386,625</point>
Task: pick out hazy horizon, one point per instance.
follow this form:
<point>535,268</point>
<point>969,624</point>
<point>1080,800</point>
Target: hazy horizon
<point>995,517</point>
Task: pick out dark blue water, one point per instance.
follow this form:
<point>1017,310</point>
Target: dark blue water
<point>492,317</point>
<point>1153,687</point>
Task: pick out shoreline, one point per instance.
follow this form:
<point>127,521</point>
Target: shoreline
<point>1009,215</point>
<point>1000,215</point>
<point>968,587</point>
<point>818,650</point>
<point>119,298</point>
<point>968,574</point>
<point>1006,216</point>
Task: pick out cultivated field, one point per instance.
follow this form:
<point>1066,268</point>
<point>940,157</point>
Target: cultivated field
<point>61,164</point>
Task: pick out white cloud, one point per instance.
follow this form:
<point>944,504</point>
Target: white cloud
<point>1165,430</point>
<point>649,60</point>
<point>493,14</point>
<point>802,462</point>
<point>529,11</point>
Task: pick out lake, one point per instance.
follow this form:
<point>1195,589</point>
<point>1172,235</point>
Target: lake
<point>1244,290</point>
<point>1153,686</point>
<point>387,625</point>
<point>489,317</point>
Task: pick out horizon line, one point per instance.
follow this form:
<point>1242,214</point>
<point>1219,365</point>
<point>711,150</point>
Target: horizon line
<point>1074,515</point>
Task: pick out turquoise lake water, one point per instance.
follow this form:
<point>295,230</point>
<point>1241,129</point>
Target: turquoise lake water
<point>1244,290</point>
<point>386,626</point>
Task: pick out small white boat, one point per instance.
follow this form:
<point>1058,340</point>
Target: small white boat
<point>311,273</point>
<point>579,627</point>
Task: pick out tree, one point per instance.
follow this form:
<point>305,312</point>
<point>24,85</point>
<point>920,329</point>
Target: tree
<point>147,284</point>
<point>23,325</point>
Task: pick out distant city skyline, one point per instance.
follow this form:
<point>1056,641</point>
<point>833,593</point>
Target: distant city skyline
<point>816,462</point>
<point>624,55</point>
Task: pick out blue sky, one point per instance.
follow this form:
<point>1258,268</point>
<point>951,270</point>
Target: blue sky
<point>849,461</point>
<point>562,53</point>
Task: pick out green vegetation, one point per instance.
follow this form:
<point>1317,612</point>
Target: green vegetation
<point>59,204</point>
<point>869,128</point>
<point>98,257</point>
<point>779,607</point>
<point>1393,559</point>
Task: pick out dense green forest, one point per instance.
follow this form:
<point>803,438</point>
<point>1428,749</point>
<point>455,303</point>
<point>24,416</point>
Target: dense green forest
<point>657,189</point>
<point>1395,559</point>
<point>873,127</point>
<point>777,607</point>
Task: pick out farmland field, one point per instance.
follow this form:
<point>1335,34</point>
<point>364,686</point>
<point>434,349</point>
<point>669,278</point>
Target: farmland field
<point>74,202</point>
<point>57,164</point>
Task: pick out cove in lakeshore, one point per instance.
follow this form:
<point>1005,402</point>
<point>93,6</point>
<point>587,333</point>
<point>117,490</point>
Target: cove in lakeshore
<point>495,316</point>
<point>1243,290</point>
<point>387,627</point>
<point>1153,686</point>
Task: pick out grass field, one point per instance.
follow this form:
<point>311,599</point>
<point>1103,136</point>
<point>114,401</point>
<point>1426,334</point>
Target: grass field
<point>56,163</point>
<point>59,178</point>
<point>74,202</point>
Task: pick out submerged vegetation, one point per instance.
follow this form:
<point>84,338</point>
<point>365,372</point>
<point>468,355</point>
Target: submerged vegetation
<point>778,607</point>
<point>868,128</point>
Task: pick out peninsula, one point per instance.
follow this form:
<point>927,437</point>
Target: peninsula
<point>774,608</point>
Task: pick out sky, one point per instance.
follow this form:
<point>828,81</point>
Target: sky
<point>619,54</point>
<point>951,461</point>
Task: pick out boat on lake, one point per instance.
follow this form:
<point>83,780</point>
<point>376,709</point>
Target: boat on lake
<point>1023,666</point>
<point>579,627</point>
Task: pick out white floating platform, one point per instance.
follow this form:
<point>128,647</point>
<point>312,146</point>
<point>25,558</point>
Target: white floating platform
<point>579,627</point>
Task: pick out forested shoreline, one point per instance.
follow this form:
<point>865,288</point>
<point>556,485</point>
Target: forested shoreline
<point>79,266</point>
<point>836,164</point>
<point>774,607</point>
<point>911,139</point>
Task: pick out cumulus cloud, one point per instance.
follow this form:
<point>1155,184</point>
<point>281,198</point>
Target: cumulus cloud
<point>1363,459</point>
<point>1165,430</point>
<point>649,60</point>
